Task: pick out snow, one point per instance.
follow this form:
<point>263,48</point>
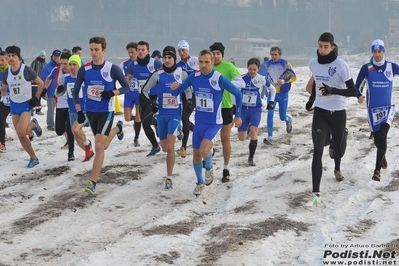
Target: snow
<point>258,218</point>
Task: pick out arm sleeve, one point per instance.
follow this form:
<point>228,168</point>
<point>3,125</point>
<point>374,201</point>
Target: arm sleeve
<point>5,75</point>
<point>189,92</point>
<point>290,75</point>
<point>350,89</point>
<point>151,82</point>
<point>78,85</point>
<point>359,80</point>
<point>226,84</point>
<point>272,90</point>
<point>30,75</point>
<point>238,82</point>
<point>117,74</point>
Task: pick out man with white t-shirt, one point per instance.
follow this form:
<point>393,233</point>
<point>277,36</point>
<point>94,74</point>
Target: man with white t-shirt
<point>333,82</point>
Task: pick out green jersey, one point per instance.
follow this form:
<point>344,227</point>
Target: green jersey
<point>228,70</point>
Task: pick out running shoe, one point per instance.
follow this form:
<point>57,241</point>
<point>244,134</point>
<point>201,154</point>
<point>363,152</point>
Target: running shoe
<point>338,176</point>
<point>88,152</point>
<point>251,161</point>
<point>268,141</point>
<point>136,143</point>
<point>226,176</point>
<point>65,146</point>
<point>198,189</point>
<point>168,183</point>
<point>33,162</point>
<point>384,164</point>
<point>289,124</point>
<point>71,157</point>
<point>209,177</point>
<point>154,151</point>
<point>181,152</point>
<point>91,187</point>
<point>37,129</point>
<point>314,200</point>
<point>120,126</point>
<point>376,176</point>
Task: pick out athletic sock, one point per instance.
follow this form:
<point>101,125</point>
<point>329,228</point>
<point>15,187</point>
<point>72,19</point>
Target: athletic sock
<point>252,147</point>
<point>198,172</point>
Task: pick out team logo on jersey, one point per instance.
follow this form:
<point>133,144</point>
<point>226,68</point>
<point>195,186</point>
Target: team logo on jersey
<point>151,68</point>
<point>191,63</point>
<point>177,76</point>
<point>332,71</point>
<point>105,74</point>
<point>388,74</point>
<point>19,77</point>
<point>256,81</point>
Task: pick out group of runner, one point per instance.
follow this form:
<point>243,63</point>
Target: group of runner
<point>163,94</point>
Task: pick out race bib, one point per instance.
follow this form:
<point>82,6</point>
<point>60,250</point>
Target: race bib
<point>379,114</point>
<point>204,101</point>
<point>169,101</point>
<point>70,91</point>
<point>134,85</point>
<point>249,98</point>
<point>17,91</point>
<point>93,92</point>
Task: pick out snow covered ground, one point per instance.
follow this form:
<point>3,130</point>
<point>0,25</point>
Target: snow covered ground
<point>258,218</point>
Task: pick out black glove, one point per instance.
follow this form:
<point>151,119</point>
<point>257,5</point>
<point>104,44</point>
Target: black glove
<point>309,105</point>
<point>154,107</point>
<point>188,107</point>
<point>43,93</point>
<point>107,94</point>
<point>60,89</point>
<point>33,101</point>
<point>81,117</point>
<point>270,105</point>
<point>326,90</point>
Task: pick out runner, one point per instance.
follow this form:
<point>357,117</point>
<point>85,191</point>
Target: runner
<point>138,73</point>
<point>228,70</point>
<point>380,105</point>
<point>168,108</point>
<point>208,86</point>
<point>18,78</point>
<point>99,77</point>
<point>252,105</point>
<point>190,64</point>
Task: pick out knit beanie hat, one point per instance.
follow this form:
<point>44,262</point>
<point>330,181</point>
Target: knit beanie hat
<point>75,58</point>
<point>217,46</point>
<point>378,45</point>
<point>169,50</point>
<point>183,44</point>
<point>14,50</point>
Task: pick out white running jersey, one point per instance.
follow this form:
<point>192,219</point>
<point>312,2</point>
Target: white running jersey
<point>333,74</point>
<point>20,88</point>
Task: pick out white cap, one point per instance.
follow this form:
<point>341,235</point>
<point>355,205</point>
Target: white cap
<point>378,45</point>
<point>183,44</point>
